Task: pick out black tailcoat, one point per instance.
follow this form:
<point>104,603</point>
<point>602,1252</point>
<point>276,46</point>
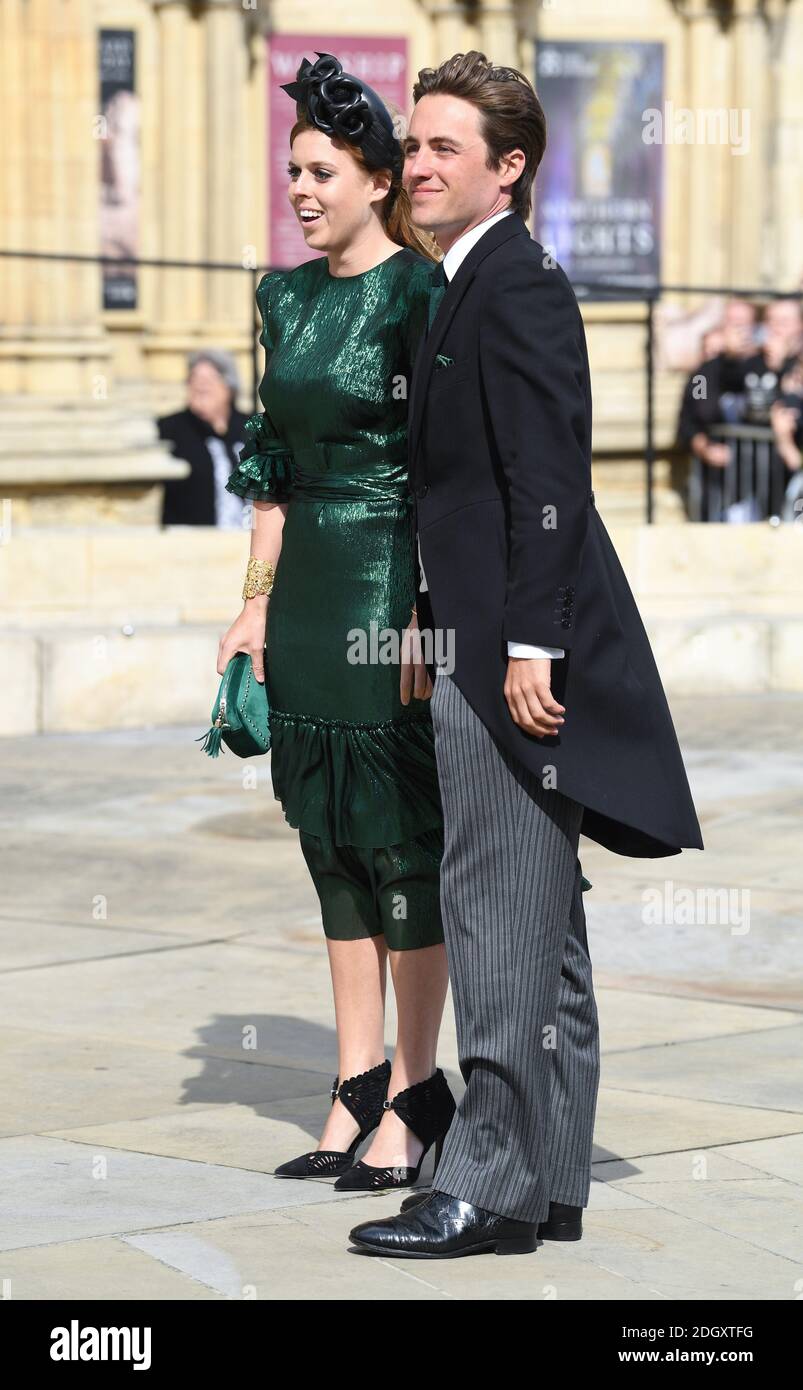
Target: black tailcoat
<point>513,547</point>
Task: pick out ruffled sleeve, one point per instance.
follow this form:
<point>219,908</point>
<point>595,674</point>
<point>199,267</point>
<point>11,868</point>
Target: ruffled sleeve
<point>264,471</point>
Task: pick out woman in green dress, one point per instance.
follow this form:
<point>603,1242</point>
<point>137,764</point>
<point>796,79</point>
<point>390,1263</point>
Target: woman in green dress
<point>352,754</point>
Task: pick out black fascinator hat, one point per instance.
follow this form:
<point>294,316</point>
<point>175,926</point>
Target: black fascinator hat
<point>341,105</point>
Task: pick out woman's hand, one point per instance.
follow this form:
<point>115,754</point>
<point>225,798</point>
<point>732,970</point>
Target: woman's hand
<point>246,634</point>
<point>414,679</point>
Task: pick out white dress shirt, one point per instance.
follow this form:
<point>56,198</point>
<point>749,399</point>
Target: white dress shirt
<point>452,259</point>
<point>228,506</point>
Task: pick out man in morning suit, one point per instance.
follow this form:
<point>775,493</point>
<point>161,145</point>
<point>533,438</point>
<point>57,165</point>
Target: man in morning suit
<point>553,721</point>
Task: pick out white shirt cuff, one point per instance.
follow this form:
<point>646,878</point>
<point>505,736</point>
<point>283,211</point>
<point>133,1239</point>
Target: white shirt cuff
<point>523,649</point>
<point>421,568</point>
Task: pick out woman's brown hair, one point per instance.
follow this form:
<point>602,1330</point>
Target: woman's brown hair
<point>511,116</point>
<point>395,207</point>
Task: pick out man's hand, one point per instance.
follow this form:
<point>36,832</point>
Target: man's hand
<point>529,697</point>
<point>414,679</point>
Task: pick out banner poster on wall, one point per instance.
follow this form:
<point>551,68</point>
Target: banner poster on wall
<point>381,62</point>
<point>120,165</point>
<point>598,189</point>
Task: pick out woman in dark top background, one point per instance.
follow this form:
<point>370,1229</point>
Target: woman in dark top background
<point>208,434</point>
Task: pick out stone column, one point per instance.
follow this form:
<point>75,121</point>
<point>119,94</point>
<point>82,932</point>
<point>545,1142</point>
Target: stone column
<point>52,339</point>
<point>202,55</point>
<point>786,208</point>
<point>451,30</point>
<point>499,32</point>
<point>71,450</point>
<point>13,188</point>
<point>178,302</point>
<point>226,184</point>
<point>746,174</point>
<point>707,191</point>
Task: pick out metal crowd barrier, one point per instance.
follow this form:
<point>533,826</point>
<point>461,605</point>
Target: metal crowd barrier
<point>750,487</point>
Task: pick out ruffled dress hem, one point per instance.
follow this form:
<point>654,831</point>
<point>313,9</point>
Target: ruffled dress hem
<point>366,784</point>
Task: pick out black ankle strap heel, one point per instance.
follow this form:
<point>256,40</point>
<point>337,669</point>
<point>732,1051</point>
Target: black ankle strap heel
<point>363,1096</point>
<point>427,1109</point>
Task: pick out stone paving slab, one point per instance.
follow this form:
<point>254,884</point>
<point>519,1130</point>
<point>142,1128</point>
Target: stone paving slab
<point>753,1068</point>
<point>73,1083</point>
<point>631,1021</point>
<point>780,1157</point>
<point>196,887</point>
<point>26,943</point>
<point>99,1269</point>
<point>186,998</point>
<point>57,1190</point>
<point>763,1213</point>
<point>680,1258</point>
<point>632,1123</point>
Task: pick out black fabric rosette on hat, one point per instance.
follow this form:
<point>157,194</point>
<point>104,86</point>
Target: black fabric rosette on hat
<point>339,104</point>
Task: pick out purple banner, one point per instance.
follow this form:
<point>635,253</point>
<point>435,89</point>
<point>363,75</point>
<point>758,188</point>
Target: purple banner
<point>598,190</point>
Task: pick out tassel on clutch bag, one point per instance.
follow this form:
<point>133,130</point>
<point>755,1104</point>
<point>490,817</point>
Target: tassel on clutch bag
<point>240,715</point>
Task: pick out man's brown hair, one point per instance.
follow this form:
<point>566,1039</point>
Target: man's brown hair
<point>511,116</point>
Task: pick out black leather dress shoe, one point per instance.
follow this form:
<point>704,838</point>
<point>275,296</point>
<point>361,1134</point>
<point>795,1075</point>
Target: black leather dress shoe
<point>416,1199</point>
<point>563,1223</point>
<point>442,1227</point>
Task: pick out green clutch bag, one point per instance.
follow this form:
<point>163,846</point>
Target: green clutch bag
<point>240,712</point>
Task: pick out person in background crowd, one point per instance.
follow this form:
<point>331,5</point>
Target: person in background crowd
<point>739,342</point>
<point>712,396</point>
<point>786,418</point>
<point>699,408</point>
<point>725,352</point>
<point>737,384</point>
<point>209,434</point>
<point>781,340</point>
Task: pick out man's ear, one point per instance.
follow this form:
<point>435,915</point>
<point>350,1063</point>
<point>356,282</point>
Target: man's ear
<point>511,166</point>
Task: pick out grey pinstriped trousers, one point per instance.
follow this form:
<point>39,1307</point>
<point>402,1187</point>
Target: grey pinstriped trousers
<point>526,1018</point>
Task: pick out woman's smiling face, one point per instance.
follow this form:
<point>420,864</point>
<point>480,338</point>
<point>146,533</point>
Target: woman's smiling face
<point>331,194</point>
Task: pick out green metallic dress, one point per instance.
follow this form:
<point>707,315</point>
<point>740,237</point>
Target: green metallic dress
<point>353,767</point>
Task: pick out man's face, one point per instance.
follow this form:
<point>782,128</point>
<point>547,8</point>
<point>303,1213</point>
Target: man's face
<point>782,320</point>
<point>445,173</point>
<point>737,329</point>
<point>739,313</point>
